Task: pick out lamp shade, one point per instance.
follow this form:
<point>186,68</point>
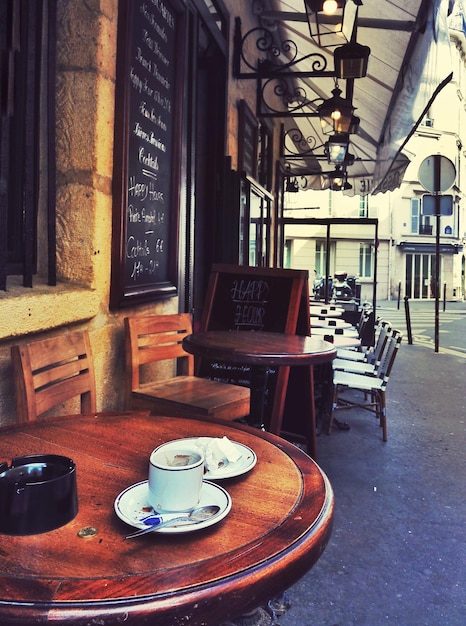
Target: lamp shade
<point>351,60</point>
<point>335,113</point>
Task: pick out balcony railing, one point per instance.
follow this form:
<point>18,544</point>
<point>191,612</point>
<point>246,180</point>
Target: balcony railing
<point>425,229</point>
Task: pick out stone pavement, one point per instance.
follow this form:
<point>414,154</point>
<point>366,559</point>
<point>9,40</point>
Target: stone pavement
<point>397,554</point>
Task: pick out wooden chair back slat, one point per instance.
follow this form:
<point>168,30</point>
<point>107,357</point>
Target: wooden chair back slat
<point>155,338</point>
<point>61,391</point>
<point>52,371</point>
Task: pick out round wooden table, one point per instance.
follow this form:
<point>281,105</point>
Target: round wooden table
<point>261,350</point>
<point>278,526</point>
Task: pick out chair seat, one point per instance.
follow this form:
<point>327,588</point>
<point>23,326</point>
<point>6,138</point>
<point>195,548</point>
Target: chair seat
<point>351,354</point>
<point>207,397</point>
<point>358,381</point>
<point>357,367</point>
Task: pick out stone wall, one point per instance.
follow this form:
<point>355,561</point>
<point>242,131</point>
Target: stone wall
<point>85,123</point>
<point>85,110</point>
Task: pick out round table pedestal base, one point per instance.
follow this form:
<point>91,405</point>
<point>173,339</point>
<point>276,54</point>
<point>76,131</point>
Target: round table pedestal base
<point>263,616</point>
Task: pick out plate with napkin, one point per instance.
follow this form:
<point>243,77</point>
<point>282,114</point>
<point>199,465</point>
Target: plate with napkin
<point>224,458</point>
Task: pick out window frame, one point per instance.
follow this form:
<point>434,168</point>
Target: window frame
<point>27,141</point>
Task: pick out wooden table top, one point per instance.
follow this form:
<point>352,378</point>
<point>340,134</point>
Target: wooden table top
<point>278,526</point>
<point>259,348</point>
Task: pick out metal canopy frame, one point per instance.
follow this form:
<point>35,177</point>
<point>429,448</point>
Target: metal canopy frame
<point>334,221</point>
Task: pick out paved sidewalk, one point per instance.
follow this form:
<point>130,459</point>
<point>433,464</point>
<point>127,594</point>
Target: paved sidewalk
<point>397,555</point>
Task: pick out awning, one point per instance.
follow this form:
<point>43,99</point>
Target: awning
<point>409,64</point>
<point>429,248</point>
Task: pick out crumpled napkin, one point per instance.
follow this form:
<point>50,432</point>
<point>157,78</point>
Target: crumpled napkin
<point>218,452</point>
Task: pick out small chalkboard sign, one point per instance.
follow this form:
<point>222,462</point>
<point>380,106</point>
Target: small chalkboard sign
<point>146,171</point>
<point>256,299</point>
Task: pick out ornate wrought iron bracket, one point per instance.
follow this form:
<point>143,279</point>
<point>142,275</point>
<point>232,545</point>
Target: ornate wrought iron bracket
<point>281,92</point>
<point>295,146</point>
<point>301,154</point>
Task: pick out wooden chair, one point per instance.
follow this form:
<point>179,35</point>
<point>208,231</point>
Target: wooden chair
<point>153,339</point>
<point>52,371</point>
<point>374,386</point>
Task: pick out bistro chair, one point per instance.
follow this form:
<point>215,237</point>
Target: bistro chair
<point>366,327</point>
<point>374,387</point>
<point>51,371</point>
<point>364,362</point>
<point>153,340</point>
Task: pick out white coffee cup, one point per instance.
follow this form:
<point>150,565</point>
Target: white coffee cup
<point>175,477</point>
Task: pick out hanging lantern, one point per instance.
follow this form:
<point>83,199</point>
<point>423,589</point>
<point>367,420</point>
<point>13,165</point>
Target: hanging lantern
<point>335,114</point>
<point>331,22</point>
<point>351,60</point>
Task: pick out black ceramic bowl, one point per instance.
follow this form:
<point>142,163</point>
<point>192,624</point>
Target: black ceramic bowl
<point>37,494</point>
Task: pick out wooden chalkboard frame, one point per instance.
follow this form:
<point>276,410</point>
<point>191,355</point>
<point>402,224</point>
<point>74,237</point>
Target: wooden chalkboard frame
<point>292,317</point>
<point>157,270</point>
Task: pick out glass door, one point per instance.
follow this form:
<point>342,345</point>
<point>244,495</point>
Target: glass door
<point>256,206</point>
<point>420,276</point>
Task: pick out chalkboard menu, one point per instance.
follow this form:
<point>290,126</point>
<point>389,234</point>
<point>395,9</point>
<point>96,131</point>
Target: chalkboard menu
<point>256,299</point>
<point>147,145</point>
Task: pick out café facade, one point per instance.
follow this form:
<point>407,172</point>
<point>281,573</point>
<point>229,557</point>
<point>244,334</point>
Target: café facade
<point>139,146</point>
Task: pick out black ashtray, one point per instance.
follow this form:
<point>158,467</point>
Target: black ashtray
<point>37,494</point>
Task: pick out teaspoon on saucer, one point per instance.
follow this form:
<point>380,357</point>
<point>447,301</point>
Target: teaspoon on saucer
<point>196,516</point>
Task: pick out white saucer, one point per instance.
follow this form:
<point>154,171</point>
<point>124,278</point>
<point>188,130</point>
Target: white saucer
<point>132,507</point>
<point>243,465</point>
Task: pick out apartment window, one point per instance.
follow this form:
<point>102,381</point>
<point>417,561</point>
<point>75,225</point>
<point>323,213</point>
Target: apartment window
<point>420,224</point>
<point>365,260</point>
<point>428,120</point>
<point>415,215</point>
<point>363,206</point>
<point>321,258</point>
<point>27,139</point>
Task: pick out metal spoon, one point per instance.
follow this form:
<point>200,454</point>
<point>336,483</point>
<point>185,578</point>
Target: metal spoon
<point>200,514</point>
